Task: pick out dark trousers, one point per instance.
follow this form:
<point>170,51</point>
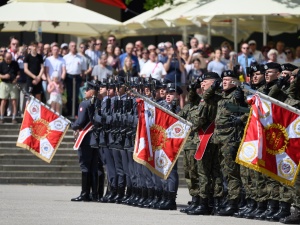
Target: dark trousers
<point>125,164</point>
<point>173,180</point>
<point>69,87</point>
<point>110,167</point>
<point>88,159</point>
<point>148,177</point>
<point>119,167</point>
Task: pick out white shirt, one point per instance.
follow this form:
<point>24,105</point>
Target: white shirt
<point>94,55</point>
<point>55,65</point>
<point>258,56</point>
<point>74,64</point>
<point>155,69</point>
<point>281,58</point>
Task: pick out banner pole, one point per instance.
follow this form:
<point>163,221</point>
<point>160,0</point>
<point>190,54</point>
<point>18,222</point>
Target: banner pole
<point>161,108</point>
<point>273,100</point>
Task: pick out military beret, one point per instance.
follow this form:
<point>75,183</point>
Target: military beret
<point>272,65</point>
<point>255,68</point>
<point>211,75</point>
<point>111,83</point>
<point>229,73</point>
<point>120,80</point>
<point>94,85</point>
<point>134,81</point>
<point>288,67</point>
<point>172,88</point>
<point>158,84</point>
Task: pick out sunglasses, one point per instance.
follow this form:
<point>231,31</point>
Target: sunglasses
<point>98,44</point>
<point>246,48</point>
<point>288,52</point>
<point>111,39</point>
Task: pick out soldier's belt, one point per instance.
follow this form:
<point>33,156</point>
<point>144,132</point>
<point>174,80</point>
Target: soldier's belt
<point>225,126</point>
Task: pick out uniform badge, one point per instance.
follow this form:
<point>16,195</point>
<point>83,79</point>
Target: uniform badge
<point>80,109</point>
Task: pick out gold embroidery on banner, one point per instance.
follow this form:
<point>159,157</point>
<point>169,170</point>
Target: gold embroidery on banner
<point>261,162</point>
<point>267,113</point>
<point>158,137</point>
<point>286,168</point>
<point>177,129</point>
<point>251,149</point>
<point>296,126</point>
<point>40,129</point>
<point>276,139</point>
<point>161,161</point>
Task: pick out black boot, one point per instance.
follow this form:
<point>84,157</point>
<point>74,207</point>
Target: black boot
<point>138,195</point>
<point>104,199</point>
<point>85,189</point>
<point>272,208</point>
<point>127,195</point>
<point>251,206</point>
<point>94,184</point>
<point>151,196</point>
<point>100,188</point>
<point>194,204</point>
<point>294,218</point>
<point>164,198</point>
<point>217,204</point>
<point>112,195</point>
<point>144,197</point>
<point>170,204</point>
<point>230,209</point>
<point>157,198</point>
<point>118,198</point>
<point>132,196</point>
<point>202,208</point>
<point>261,208</point>
<point>284,211</point>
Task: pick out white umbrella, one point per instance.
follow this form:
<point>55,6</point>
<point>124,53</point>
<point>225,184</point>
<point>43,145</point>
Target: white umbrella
<point>55,16</point>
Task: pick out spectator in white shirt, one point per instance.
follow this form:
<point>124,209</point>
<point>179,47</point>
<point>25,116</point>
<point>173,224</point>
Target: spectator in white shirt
<point>281,58</point>
<point>153,67</point>
<point>144,59</point>
<point>74,69</point>
<point>55,63</point>
<point>92,53</point>
<point>101,71</point>
<point>256,53</point>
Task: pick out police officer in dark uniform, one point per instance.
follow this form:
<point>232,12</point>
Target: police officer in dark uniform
<point>88,156</point>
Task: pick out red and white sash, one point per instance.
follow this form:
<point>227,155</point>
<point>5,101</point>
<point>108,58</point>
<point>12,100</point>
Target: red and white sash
<point>82,134</point>
<point>204,136</point>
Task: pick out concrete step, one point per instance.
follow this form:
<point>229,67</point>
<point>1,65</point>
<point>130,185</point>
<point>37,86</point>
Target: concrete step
<point>67,138</point>
<point>40,181</point>
<point>37,161</point>
<point>18,150</point>
<point>41,174</point>
<point>48,168</point>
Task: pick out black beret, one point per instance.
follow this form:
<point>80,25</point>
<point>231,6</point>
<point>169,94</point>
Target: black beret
<point>272,65</point>
<point>171,88</point>
<point>211,75</point>
<point>255,68</point>
<point>288,67</point>
<point>94,84</point>
<point>229,73</point>
<point>111,83</point>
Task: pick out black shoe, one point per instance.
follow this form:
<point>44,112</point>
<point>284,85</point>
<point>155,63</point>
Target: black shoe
<point>230,209</point>
<point>144,197</point>
<point>294,218</point>
<point>261,208</point>
<point>137,197</point>
<point>157,198</point>
<point>112,195</point>
<point>217,204</point>
<point>272,208</point>
<point>194,204</point>
<point>118,198</point>
<point>127,195</point>
<point>202,208</point>
<point>284,211</point>
<point>250,207</point>
<point>85,188</point>
<point>151,195</point>
<point>164,198</point>
<point>82,198</point>
<point>170,204</point>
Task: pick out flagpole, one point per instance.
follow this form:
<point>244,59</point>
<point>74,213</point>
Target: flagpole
<point>273,100</point>
<point>161,108</point>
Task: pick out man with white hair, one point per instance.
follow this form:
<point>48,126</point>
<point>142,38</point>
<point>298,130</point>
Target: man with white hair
<point>135,61</point>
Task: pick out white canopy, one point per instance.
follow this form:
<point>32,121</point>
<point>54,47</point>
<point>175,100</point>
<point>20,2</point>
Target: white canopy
<point>54,16</point>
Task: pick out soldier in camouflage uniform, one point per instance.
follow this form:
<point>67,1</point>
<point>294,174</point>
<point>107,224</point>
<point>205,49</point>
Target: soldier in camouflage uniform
<point>227,135</point>
<point>189,163</point>
<point>209,170</point>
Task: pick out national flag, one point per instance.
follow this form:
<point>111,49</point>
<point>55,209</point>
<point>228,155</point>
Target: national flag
<point>116,3</point>
<point>159,140</point>
<point>42,130</point>
<point>271,141</point>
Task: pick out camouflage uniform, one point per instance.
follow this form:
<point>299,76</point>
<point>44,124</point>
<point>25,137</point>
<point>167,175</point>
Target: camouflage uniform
<point>189,163</point>
<point>227,137</point>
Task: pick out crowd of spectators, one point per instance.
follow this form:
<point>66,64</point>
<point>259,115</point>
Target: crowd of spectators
<point>52,71</point>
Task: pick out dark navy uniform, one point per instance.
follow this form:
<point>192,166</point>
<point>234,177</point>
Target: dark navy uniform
<point>88,156</point>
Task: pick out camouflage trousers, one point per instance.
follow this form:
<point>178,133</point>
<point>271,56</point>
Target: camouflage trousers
<point>190,171</point>
<point>254,184</point>
<point>273,188</point>
<point>209,170</point>
<point>297,192</point>
<point>230,169</point>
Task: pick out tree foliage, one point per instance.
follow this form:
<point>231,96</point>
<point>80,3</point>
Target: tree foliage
<point>150,4</point>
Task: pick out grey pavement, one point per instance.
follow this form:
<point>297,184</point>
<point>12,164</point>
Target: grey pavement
<point>43,205</point>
